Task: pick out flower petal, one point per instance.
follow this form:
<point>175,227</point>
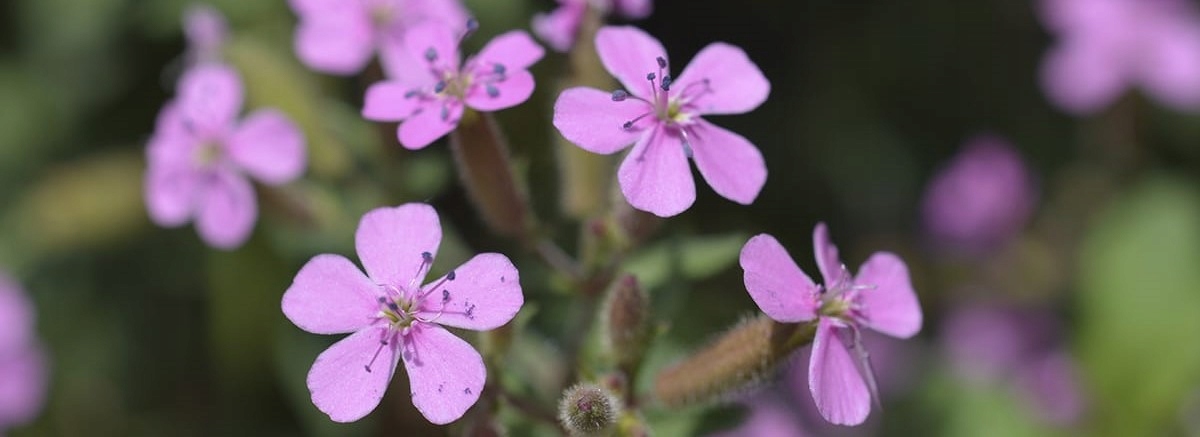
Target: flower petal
<point>340,382</point>
<point>891,307</point>
<point>729,162</point>
<point>516,88</point>
<point>269,147</point>
<point>485,294</point>
<point>734,85</point>
<point>227,210</point>
<point>634,9</point>
<point>391,241</point>
<point>205,29</point>
<point>433,38</point>
<point>16,315</point>
<point>655,176</point>
<point>1082,78</point>
<point>1170,68</point>
<point>23,392</point>
<point>590,118</point>
<point>837,386</point>
<point>630,54</point>
<point>826,254</point>
<point>210,97</point>
<point>335,40</point>
<point>445,373</point>
<point>515,50</point>
<point>172,184</point>
<point>404,67</point>
<point>776,283</point>
<point>433,120</point>
<point>560,27</point>
<point>330,295</point>
<point>390,101</point>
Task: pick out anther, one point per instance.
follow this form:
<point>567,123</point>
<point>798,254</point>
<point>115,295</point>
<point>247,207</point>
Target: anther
<point>499,69</point>
<point>450,276</point>
<point>662,63</point>
<point>650,76</point>
<point>445,295</point>
<point>431,54</point>
<point>628,125</point>
<point>666,83</point>
<point>492,91</point>
<point>440,86</point>
<point>472,25</point>
<point>411,93</point>
<point>426,257</point>
<point>445,116</point>
<point>619,95</point>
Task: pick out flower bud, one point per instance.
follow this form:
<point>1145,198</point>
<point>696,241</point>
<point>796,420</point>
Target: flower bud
<point>588,410</point>
<point>626,312</point>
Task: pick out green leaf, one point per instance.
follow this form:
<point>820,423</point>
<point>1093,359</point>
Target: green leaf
<point>692,258</point>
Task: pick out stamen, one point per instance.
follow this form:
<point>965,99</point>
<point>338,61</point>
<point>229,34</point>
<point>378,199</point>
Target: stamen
<point>499,68</point>
<point>629,124</point>
<point>445,113</point>
<point>431,54</point>
<point>687,143</point>
<point>619,95</point>
<point>411,93</point>
<point>492,91</point>
<point>382,343</point>
<point>662,63</point>
<point>451,275</point>
<point>666,83</point>
<point>440,86</point>
<point>650,77</point>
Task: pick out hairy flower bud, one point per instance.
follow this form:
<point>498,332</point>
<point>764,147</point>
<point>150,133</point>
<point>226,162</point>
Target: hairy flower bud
<point>588,410</point>
<point>627,311</point>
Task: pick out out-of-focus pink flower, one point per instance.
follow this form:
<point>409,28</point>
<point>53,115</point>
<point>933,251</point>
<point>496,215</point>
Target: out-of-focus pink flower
<point>393,317</point>
<point>431,101</point>
<point>1107,46</point>
<point>200,155</point>
<point>880,297</point>
<point>660,115</point>
<point>768,415</point>
<point>339,36</point>
<point>982,197</point>
<point>22,362</point>
<point>206,32</point>
<point>560,28</point>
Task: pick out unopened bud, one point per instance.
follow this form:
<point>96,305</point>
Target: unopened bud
<point>626,311</point>
<point>588,410</point>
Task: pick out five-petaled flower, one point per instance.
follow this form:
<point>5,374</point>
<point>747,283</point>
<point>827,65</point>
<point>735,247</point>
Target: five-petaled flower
<point>394,317</point>
<point>880,297</point>
<point>430,101</point>
<point>200,155</point>
<point>339,36</point>
<point>560,28</point>
<point>662,115</point>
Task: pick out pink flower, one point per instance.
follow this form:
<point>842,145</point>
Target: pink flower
<point>431,101</point>
<point>206,32</point>
<point>393,317</point>
<point>880,298</point>
<point>560,28</point>
<point>661,115</point>
<point>339,36</point>
<point>768,415</point>
<point>22,362</point>
<point>200,155</point>
<point>1106,46</point>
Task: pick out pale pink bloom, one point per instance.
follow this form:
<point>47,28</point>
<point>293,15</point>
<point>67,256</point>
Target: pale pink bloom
<point>339,36</point>
<point>1107,46</point>
<point>200,156</point>
<point>206,32</point>
<point>393,317</point>
<point>880,298</point>
<point>23,374</point>
<point>560,28</point>
<point>767,415</point>
<point>660,116</point>
<point>430,102</point>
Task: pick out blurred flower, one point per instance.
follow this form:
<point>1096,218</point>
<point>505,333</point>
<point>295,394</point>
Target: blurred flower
<point>560,28</point>
<point>339,36</point>
<point>881,298</point>
<point>667,129</point>
<point>431,104</point>
<point>22,363</point>
<point>206,32</point>
<point>1106,46</point>
<point>768,415</point>
<point>200,155</point>
<point>392,317</point>
<point>982,197</point>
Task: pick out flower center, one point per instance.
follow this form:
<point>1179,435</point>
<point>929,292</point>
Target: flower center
<point>208,154</point>
<point>382,12</point>
<point>404,306</point>
<point>841,300</point>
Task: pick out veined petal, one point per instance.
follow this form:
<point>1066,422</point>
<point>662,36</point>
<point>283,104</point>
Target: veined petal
<point>433,38</point>
<point>391,241</point>
<point>515,50</point>
<point>826,254</point>
<point>446,374</point>
<point>776,283</point>
<point>730,163</point>
<point>390,101</point>
<point>330,295</point>
<point>340,382</point>
<point>227,210</point>
<point>590,118</point>
<point>655,176</point>
<point>560,27</point>
<point>485,294</point>
<point>630,54</point>
<point>210,97</point>
<point>269,147</point>
<point>434,120</point>
<point>837,387</point>
<point>891,307</point>
<point>734,85</point>
<point>516,88</point>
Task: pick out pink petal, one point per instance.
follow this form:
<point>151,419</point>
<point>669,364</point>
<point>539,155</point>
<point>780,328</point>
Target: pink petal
<point>307,8</point>
<point>330,295</point>
<point>1170,68</point>
<point>339,381</point>
<point>433,121</point>
<point>655,176</point>
<point>390,101</point>
<point>826,254</point>
<point>593,121</point>
<point>891,307</point>
<point>515,50</point>
<point>776,283</point>
<point>735,84</point>
<point>516,88</point>
<point>728,162</point>
<point>446,374</point>
<point>630,54</point>
<point>404,67</point>
<point>391,241</point>
<point>335,39</point>
<point>172,184</point>
<point>23,380</point>
<point>205,29</point>
<point>837,386</point>
<point>560,27</point>
<point>269,147</point>
<point>1082,79</point>
<point>210,97</point>
<point>227,210</point>
<point>634,9</point>
<point>16,315</point>
<point>485,294</point>
<point>436,38</point>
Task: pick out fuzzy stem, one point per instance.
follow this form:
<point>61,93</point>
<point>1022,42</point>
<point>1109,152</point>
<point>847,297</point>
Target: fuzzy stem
<point>481,154</point>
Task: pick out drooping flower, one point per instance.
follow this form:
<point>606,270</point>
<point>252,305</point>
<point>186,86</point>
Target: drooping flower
<point>1107,46</point>
<point>984,196</point>
<point>394,317</point>
<point>560,28</point>
<point>200,155</point>
<point>430,102</point>
<point>880,298</point>
<point>206,32</point>
<point>22,362</point>
<point>660,115</point>
<point>339,36</point>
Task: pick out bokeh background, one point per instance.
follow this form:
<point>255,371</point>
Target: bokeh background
<point>150,332</point>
